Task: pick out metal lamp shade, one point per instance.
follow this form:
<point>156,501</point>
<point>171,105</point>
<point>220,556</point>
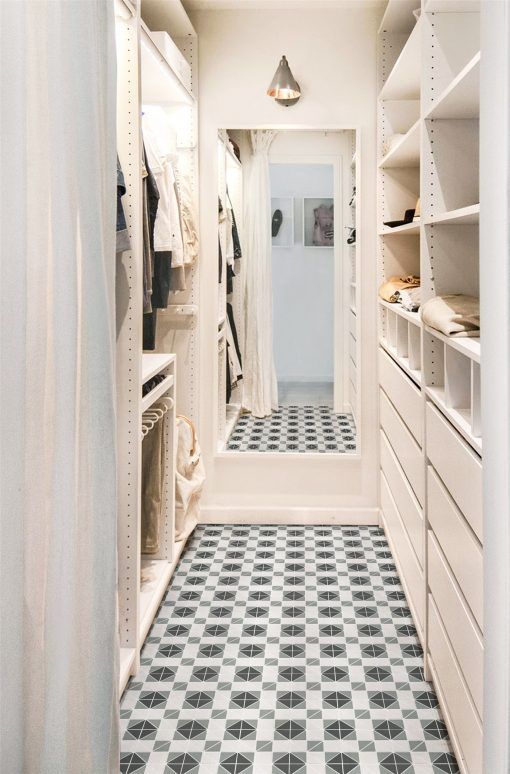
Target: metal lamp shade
<point>284,86</point>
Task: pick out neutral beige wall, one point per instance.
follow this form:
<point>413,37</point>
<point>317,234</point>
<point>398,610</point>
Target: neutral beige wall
<point>333,55</point>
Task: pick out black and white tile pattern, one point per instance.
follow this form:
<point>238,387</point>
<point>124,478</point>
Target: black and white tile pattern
<point>310,429</point>
<point>283,650</point>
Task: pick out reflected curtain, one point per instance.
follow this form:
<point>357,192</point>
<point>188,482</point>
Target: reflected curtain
<point>58,645</point>
<point>260,389</point>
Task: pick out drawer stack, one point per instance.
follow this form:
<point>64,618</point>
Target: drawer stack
<point>403,480</point>
<point>455,581</point>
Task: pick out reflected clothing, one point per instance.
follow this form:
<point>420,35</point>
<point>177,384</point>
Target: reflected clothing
<point>122,242</point>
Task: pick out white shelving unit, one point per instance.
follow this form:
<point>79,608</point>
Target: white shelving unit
<point>430,383</point>
<point>145,75</point>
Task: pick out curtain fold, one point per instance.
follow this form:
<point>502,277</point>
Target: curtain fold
<point>59,651</point>
<point>260,389</point>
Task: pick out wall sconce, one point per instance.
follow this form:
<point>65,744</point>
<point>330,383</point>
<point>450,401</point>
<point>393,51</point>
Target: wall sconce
<point>284,87</point>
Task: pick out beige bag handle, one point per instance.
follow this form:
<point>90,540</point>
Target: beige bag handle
<point>193,431</point>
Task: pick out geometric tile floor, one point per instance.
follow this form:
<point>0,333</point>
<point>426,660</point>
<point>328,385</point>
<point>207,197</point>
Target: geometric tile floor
<point>283,650</point>
<point>311,429</point>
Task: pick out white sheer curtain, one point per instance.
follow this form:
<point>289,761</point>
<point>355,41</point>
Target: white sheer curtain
<point>58,566</point>
<point>260,389</point>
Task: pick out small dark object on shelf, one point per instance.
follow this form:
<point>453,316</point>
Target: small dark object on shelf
<point>408,218</point>
<point>351,239</point>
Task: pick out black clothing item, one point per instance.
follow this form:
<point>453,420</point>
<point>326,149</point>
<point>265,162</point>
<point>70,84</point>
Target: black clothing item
<point>238,253</point>
<point>220,262</point>
<point>149,329</point>
<point>230,315</point>
<point>229,385</point>
<point>230,279</point>
<point>161,279</point>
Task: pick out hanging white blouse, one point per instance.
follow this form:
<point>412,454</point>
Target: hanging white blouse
<point>159,141</point>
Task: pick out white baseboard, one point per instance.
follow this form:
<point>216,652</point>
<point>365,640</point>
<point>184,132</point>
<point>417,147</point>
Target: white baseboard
<point>286,515</point>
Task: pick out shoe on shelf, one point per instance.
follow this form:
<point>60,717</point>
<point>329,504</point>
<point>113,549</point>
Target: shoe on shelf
<point>276,222</point>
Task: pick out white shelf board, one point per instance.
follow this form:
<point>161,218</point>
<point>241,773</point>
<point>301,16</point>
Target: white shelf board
<point>407,228</point>
<point>168,16</point>
<point>470,347</point>
<point>412,317</point>
<point>158,391</point>
<point>152,591</point>
<point>460,418</point>
<point>464,216</point>
<point>126,661</point>
<point>160,83</point>
<point>152,364</point>
<point>452,6</point>
<point>405,153</point>
<point>404,80</point>
<point>398,16</point>
<point>461,99</point>
<point>403,362</point>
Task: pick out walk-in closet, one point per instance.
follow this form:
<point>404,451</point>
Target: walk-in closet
<point>255,351</point>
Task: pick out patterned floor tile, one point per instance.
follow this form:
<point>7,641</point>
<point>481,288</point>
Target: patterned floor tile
<point>283,650</point>
<point>301,429</point>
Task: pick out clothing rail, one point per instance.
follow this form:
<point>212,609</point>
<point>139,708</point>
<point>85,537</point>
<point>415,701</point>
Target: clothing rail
<point>154,414</point>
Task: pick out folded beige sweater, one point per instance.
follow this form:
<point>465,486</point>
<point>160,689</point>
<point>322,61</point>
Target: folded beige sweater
<point>454,315</point>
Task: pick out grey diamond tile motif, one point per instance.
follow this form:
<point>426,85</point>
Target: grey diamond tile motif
<point>300,429</point>
<point>291,650</point>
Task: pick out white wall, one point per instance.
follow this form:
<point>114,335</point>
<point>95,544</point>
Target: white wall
<point>333,55</point>
<point>303,310</point>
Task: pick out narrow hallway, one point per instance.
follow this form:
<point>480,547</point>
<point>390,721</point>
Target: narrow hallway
<point>288,650</point>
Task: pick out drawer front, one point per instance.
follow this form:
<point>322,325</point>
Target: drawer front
<point>352,324</point>
<point>458,622</point>
<point>411,571</point>
<point>461,549</point>
<point>352,348</point>
<point>405,447</point>
<point>460,706</point>
<point>402,393</point>
<point>407,504</point>
<point>458,467</point>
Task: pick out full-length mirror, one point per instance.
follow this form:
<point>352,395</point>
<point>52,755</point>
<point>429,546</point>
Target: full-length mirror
<point>288,366</point>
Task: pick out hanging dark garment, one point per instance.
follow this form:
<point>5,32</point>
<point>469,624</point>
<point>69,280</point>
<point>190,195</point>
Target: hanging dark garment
<point>230,279</point>
<point>123,242</point>
<point>238,253</point>
<point>228,380</point>
<point>230,315</point>
<point>149,329</point>
<point>220,262</point>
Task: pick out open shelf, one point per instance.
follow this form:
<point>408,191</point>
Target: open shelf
<point>169,15</point>
<point>152,364</point>
<point>403,362</point>
<point>160,83</point>
<point>412,317</point>
<point>398,16</point>
<point>405,153</point>
<point>158,391</point>
<point>470,347</point>
<point>407,228</point>
<point>464,215</point>
<point>452,6</point>
<point>404,80</point>
<point>461,99</point>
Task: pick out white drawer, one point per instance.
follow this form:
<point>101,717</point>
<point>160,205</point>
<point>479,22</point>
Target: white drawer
<point>454,693</point>
<point>458,467</point>
<point>411,573</point>
<point>460,547</point>
<point>352,349</point>
<point>405,447</point>
<point>402,393</point>
<point>352,323</point>
<point>407,504</point>
<point>460,626</point>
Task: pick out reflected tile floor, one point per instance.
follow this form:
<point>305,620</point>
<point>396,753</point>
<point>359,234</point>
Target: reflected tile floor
<point>283,650</point>
<point>301,429</point>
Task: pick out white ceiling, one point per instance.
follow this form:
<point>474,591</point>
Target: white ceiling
<point>221,5</point>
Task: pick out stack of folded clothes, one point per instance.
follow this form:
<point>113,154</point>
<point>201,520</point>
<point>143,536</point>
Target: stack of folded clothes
<point>405,291</point>
<point>454,315</point>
